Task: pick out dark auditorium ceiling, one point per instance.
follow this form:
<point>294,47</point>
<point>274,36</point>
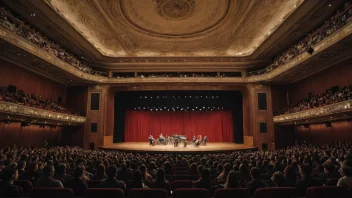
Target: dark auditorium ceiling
<point>117,34</point>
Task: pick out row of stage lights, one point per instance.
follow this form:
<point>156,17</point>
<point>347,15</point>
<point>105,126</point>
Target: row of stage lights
<point>175,97</point>
<point>179,108</point>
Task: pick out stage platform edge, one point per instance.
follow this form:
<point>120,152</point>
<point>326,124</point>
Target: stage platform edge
<point>144,147</point>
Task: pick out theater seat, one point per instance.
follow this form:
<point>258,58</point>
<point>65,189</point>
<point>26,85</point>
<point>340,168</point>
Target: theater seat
<point>52,193</point>
<point>104,193</point>
<point>328,192</point>
<point>182,184</point>
<point>147,193</point>
<point>276,192</point>
<point>25,185</point>
<point>185,177</point>
<point>332,181</point>
<point>93,183</point>
<point>191,193</point>
<point>232,192</point>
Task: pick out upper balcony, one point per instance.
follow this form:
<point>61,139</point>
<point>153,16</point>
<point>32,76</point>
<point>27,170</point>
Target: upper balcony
<point>25,46</point>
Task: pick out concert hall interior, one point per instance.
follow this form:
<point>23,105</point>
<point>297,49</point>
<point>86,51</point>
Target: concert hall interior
<point>187,80</point>
<point>266,86</point>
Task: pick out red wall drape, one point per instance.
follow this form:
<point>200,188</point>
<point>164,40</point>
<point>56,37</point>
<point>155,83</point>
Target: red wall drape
<point>217,125</point>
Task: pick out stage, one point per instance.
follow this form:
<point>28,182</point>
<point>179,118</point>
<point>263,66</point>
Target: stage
<point>145,147</point>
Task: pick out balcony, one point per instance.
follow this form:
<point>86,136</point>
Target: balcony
<point>16,112</point>
<point>336,111</point>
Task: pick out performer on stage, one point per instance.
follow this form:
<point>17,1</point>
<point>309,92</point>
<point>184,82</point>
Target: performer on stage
<point>176,140</point>
<point>205,140</point>
<point>151,140</point>
<point>161,139</point>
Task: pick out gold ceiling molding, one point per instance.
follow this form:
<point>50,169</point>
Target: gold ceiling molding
<point>35,113</point>
<point>341,107</point>
<point>158,28</point>
<point>20,42</point>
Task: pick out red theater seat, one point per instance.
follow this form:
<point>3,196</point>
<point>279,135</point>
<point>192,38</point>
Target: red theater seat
<point>182,184</point>
<point>232,192</point>
<point>276,192</point>
<point>191,193</point>
<point>104,193</point>
<point>328,192</point>
<point>147,193</point>
<point>52,193</point>
<point>25,185</point>
<point>185,177</point>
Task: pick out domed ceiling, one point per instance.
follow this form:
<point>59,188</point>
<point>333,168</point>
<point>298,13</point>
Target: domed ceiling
<point>154,28</point>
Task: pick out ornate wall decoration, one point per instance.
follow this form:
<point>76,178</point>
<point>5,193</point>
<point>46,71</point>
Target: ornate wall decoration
<point>35,113</point>
<point>175,9</point>
<point>341,107</point>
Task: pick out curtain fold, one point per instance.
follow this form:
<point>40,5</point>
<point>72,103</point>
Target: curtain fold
<point>217,125</point>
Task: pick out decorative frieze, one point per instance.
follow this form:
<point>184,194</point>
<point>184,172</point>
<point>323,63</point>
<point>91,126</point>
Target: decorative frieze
<point>341,107</point>
<point>35,113</point>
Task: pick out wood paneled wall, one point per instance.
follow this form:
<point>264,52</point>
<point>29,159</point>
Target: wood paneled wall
<point>29,82</point>
<point>337,75</point>
<point>320,134</point>
<point>13,133</point>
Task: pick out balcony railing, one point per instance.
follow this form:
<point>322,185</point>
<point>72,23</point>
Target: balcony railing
<point>35,113</point>
<point>328,110</point>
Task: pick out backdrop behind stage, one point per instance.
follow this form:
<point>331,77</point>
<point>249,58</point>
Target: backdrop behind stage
<point>217,125</point>
<point>216,114</point>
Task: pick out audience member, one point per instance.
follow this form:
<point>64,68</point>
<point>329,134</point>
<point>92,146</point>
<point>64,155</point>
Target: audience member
<point>111,181</point>
<point>47,181</point>
<point>9,175</point>
<point>256,183</point>
<point>77,184</point>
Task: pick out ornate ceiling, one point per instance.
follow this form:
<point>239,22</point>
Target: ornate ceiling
<point>177,28</point>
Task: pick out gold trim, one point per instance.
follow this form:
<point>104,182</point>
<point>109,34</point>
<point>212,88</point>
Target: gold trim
<point>7,107</point>
<point>327,110</point>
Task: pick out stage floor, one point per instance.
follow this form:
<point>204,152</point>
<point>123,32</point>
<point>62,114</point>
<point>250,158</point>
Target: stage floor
<point>145,147</point>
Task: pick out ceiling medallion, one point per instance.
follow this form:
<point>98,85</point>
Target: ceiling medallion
<point>175,9</point>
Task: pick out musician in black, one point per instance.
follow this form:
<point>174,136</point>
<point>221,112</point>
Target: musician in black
<point>176,140</point>
<point>151,140</point>
<point>205,140</point>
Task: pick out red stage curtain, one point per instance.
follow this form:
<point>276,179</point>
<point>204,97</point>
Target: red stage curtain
<point>217,125</point>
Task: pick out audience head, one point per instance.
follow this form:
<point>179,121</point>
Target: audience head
<point>78,173</point>
<point>305,170</point>
<point>255,173</point>
<point>48,171</point>
<point>278,178</point>
<point>160,175</point>
<point>61,169</point>
<point>9,174</point>
<point>232,180</point>
<point>101,170</point>
<point>112,171</point>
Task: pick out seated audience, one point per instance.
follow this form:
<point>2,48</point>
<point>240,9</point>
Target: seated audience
<point>138,180</point>
<point>111,181</point>
<point>100,173</point>
<point>204,181</point>
<point>279,179</point>
<point>60,173</point>
<point>9,175</point>
<point>77,184</point>
<point>47,180</point>
<point>256,183</point>
<point>306,180</point>
<point>125,173</point>
<point>232,180</point>
<point>346,180</point>
<point>160,181</point>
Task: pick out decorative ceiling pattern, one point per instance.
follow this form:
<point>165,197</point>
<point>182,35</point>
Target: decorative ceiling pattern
<point>176,28</point>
